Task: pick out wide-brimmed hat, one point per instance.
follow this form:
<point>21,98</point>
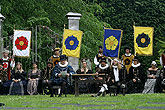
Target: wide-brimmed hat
<point>63,57</point>
<point>100,47</point>
<point>56,49</point>
<point>135,59</point>
<point>50,61</point>
<point>103,59</point>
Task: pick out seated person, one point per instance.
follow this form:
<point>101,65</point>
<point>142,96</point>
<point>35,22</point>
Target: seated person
<point>84,69</point>
<point>115,75</point>
<point>152,74</point>
<point>103,68</point>
<point>3,78</point>
<point>34,77</point>
<point>61,75</point>
<point>85,87</point>
<point>18,84</point>
<point>135,85</point>
<point>46,75</point>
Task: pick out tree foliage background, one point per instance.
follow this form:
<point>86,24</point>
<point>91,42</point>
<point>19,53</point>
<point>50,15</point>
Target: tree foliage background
<point>117,14</point>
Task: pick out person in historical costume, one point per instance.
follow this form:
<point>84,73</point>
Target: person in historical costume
<point>46,75</point>
<point>152,74</point>
<point>8,63</point>
<point>137,78</point>
<point>61,75</point>
<point>116,78</point>
<point>18,82</point>
<point>56,57</point>
<point>127,61</point>
<point>34,76</point>
<point>103,68</point>
<point>3,78</point>
<point>160,83</point>
<point>84,69</point>
<point>162,59</point>
<point>98,56</point>
<point>83,87</point>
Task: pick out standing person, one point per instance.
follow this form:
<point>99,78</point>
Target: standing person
<point>56,57</point>
<point>3,78</point>
<point>98,56</point>
<point>137,77</point>
<point>34,77</point>
<point>127,60</point>
<point>152,74</point>
<point>46,75</point>
<point>61,75</point>
<point>18,83</point>
<point>8,63</point>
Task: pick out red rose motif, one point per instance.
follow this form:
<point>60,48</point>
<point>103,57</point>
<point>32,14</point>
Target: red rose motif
<point>21,43</point>
<point>5,65</point>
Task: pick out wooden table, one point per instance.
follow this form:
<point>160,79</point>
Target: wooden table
<point>77,80</point>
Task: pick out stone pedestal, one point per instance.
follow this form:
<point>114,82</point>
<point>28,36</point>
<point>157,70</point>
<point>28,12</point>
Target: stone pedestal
<point>1,38</point>
<point>73,21</point>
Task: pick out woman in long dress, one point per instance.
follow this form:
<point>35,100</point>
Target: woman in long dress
<point>152,74</point>
<point>18,82</point>
<point>33,76</point>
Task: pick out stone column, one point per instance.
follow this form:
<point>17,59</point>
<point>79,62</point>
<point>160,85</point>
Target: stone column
<point>73,21</point>
<point>1,37</point>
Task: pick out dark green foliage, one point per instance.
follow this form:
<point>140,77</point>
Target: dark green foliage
<point>120,14</point>
<point>123,14</point>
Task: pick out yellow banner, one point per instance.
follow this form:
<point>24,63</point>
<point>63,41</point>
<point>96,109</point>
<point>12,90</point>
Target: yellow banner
<point>143,40</point>
<point>71,42</point>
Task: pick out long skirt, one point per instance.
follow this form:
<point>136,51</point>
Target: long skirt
<point>149,86</point>
<point>16,88</point>
<point>32,87</point>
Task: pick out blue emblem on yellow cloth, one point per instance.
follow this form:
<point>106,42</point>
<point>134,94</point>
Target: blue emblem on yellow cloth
<point>71,43</point>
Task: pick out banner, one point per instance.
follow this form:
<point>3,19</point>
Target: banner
<point>112,41</point>
<point>143,40</point>
<point>21,43</point>
<point>72,43</point>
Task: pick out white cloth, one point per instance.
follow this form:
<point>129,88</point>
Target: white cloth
<point>161,61</point>
<point>17,51</point>
<point>95,61</point>
<point>103,88</point>
<point>116,73</point>
<point>133,65</point>
<point>105,67</point>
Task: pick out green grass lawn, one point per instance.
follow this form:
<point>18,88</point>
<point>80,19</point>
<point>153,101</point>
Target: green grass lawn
<point>44,102</point>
